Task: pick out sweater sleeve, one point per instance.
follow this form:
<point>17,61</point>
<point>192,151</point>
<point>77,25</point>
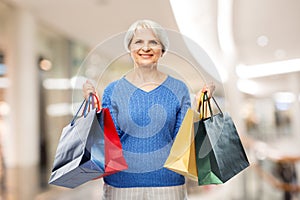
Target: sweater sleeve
<point>106,103</point>
<point>185,104</point>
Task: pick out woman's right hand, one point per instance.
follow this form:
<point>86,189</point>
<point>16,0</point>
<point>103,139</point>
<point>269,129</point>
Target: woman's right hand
<point>88,88</point>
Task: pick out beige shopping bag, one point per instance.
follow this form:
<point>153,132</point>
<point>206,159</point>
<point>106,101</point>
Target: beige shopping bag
<point>182,157</point>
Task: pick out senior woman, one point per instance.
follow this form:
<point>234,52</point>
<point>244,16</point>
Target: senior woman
<point>147,107</point>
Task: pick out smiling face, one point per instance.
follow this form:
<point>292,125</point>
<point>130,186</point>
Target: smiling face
<point>145,48</point>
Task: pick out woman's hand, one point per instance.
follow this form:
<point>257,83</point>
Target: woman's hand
<point>88,88</point>
<point>209,88</point>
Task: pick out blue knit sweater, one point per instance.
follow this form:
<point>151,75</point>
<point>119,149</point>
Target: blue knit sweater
<point>147,123</point>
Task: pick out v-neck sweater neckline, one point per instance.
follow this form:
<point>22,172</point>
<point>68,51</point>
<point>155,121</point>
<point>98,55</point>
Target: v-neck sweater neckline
<point>144,91</point>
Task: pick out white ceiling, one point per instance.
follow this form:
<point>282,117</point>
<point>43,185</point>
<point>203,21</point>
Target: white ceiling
<point>274,22</point>
<point>92,21</point>
<point>276,19</point>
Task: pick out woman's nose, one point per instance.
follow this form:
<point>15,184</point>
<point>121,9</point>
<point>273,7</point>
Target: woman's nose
<point>145,47</point>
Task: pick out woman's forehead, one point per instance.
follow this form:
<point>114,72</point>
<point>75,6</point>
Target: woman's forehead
<point>146,33</point>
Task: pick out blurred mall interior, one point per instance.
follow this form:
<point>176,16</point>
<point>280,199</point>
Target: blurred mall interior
<point>249,48</point>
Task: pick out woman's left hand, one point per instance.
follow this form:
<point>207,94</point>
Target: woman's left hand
<point>209,88</point>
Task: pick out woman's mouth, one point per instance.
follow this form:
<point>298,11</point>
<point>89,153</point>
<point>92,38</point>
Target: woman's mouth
<point>146,55</point>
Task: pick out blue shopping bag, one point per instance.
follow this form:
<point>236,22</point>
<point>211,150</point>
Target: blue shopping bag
<point>80,153</point>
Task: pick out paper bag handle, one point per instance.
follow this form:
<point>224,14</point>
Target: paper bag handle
<point>91,100</point>
<point>87,106</point>
<point>205,98</point>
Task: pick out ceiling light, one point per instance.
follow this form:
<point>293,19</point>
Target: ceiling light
<point>284,97</point>
<point>45,64</point>
<point>248,86</point>
<point>284,100</point>
<point>262,40</point>
<point>59,109</point>
<point>280,54</point>
<point>268,69</point>
<point>57,84</point>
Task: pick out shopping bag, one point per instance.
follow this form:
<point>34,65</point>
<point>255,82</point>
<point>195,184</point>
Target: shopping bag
<point>114,158</point>
<point>182,158</point>
<point>220,154</point>
<point>81,155</point>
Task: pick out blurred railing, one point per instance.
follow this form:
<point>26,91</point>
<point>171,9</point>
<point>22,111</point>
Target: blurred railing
<point>284,177</point>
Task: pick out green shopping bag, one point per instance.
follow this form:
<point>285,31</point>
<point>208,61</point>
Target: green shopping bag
<point>220,154</point>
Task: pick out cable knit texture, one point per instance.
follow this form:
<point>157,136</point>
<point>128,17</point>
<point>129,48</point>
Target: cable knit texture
<point>147,123</point>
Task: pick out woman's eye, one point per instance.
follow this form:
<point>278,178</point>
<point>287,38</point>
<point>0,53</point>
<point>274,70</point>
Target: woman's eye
<point>138,42</point>
<point>153,42</point>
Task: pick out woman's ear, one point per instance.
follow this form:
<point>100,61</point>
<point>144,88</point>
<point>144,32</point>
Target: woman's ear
<point>162,53</point>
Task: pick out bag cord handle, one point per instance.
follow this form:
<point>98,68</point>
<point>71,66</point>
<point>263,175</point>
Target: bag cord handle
<point>205,98</point>
<point>91,100</point>
<point>86,104</point>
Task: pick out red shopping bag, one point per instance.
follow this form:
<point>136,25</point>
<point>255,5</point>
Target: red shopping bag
<point>114,159</point>
<point>113,152</point>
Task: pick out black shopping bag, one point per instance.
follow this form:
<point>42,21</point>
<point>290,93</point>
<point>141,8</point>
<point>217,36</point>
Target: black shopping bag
<point>220,154</point>
<point>79,156</point>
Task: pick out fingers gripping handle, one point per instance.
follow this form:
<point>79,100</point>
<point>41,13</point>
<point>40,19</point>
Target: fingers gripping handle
<point>204,99</point>
<point>87,103</point>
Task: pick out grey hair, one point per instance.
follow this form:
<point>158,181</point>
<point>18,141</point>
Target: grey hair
<point>157,29</point>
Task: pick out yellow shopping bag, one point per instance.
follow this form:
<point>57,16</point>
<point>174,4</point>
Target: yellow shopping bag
<point>182,157</point>
<point>202,108</point>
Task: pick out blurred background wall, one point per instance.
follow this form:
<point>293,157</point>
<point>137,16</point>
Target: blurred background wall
<point>249,49</point>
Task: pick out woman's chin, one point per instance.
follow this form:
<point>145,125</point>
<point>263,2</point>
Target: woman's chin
<point>146,64</point>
